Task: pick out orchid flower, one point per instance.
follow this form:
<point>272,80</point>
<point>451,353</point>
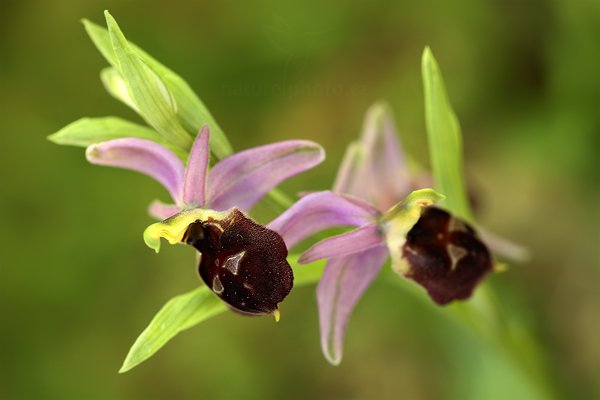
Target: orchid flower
<point>243,262</point>
<point>428,245</point>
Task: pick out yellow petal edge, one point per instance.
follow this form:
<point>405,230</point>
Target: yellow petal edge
<point>173,228</point>
<point>401,218</point>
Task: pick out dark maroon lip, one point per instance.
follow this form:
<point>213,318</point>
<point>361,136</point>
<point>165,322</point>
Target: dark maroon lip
<point>243,262</point>
<point>445,256</point>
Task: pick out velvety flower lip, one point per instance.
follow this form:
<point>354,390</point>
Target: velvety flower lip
<point>372,178</point>
<point>243,262</point>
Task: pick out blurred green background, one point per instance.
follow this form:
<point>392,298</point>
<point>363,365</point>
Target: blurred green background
<point>77,284</point>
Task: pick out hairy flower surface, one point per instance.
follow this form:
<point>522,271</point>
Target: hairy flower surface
<point>372,178</point>
<point>243,262</point>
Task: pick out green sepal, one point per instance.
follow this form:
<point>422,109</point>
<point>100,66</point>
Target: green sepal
<point>178,314</point>
<point>445,140</point>
<point>189,309</point>
<point>191,112</point>
<point>147,90</point>
<point>116,87</point>
<point>88,131</point>
<point>400,219</point>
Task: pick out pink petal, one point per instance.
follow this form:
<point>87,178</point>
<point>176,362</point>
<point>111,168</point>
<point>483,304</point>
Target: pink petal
<point>244,178</point>
<point>356,241</point>
<point>161,211</point>
<point>194,184</point>
<point>321,210</point>
<point>375,169</point>
<point>143,156</point>
<point>351,176</point>
<point>343,283</point>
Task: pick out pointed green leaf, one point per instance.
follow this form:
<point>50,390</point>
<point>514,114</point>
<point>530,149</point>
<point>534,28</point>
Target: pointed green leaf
<point>189,309</point>
<point>116,87</point>
<point>180,313</point>
<point>87,131</point>
<point>192,113</point>
<point>152,98</point>
<point>149,93</point>
<point>445,140</point>
<point>101,40</point>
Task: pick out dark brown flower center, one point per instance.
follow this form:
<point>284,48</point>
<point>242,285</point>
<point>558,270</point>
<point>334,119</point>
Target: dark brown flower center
<point>243,262</point>
<point>445,256</point>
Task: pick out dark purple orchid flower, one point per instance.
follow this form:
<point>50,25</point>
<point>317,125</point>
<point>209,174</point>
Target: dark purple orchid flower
<point>243,262</point>
<point>372,179</point>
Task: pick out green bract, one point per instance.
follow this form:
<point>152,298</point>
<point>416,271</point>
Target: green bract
<point>165,92</point>
<point>189,309</point>
<point>87,131</point>
<point>148,92</point>
<point>116,87</point>
<point>445,140</point>
<point>178,314</point>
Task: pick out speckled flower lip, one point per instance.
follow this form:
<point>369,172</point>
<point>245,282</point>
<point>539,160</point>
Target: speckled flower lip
<point>243,262</point>
<point>445,256</point>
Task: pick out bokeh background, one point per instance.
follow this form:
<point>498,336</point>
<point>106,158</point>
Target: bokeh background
<point>77,284</point>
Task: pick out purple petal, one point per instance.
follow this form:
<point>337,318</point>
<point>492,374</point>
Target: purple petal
<point>351,176</point>
<point>194,184</point>
<point>375,169</point>
<point>504,247</point>
<point>161,211</point>
<point>385,152</point>
<point>356,241</point>
<point>141,155</point>
<point>344,281</point>
<point>242,179</point>
<point>318,211</point>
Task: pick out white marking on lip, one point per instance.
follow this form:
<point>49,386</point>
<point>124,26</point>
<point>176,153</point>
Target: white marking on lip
<point>218,226</point>
<point>217,286</point>
<point>456,225</point>
<point>456,253</point>
<point>232,264</point>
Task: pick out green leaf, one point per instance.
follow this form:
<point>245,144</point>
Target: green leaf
<point>445,140</point>
<point>191,112</point>
<point>180,313</point>
<point>116,87</point>
<point>184,311</point>
<point>149,93</point>
<point>101,40</point>
<point>87,131</point>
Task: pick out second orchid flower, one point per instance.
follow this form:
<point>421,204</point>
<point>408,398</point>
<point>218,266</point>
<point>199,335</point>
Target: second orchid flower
<point>439,251</point>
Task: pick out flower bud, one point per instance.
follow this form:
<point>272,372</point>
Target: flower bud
<point>445,256</point>
<point>243,262</point>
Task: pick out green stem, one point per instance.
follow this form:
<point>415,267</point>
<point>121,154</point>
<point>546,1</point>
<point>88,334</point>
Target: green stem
<point>278,200</point>
<point>483,318</point>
